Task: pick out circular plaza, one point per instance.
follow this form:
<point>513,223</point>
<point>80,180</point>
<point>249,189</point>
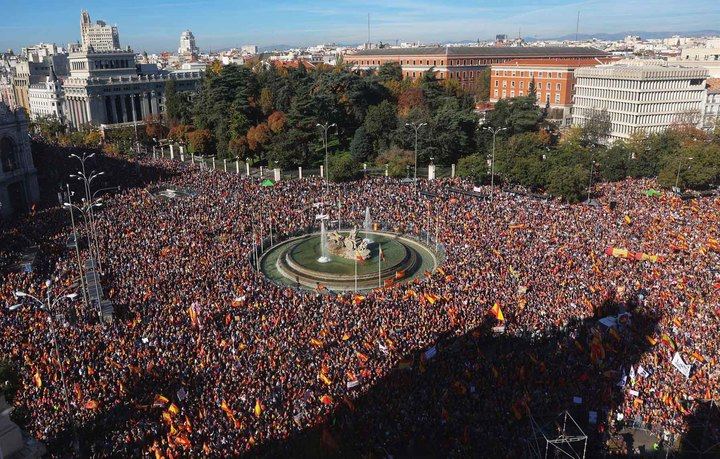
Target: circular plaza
<point>391,258</point>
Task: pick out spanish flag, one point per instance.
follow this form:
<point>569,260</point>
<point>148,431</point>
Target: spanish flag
<point>224,406</point>
<point>357,299</point>
<point>173,408</point>
<point>258,408</point>
<point>651,340</point>
<point>627,220</point>
<point>327,381</point>
<point>362,357</point>
<point>316,342</point>
<point>431,298</point>
<point>91,405</point>
<point>326,400</point>
<point>193,316</point>
<point>37,379</point>
<point>399,274</point>
<point>183,441</point>
<point>666,340</point>
<point>497,312</point>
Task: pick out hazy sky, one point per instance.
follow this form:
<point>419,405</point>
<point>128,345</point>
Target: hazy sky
<point>155,25</point>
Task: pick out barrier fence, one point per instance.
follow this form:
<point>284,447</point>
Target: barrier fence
<point>241,168</point>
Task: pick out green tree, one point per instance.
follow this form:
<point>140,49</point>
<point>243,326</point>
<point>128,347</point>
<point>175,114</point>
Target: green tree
<point>380,122</point>
<point>614,162</point>
<point>568,182</point>
<point>475,168</point>
<point>596,128</point>
<point>361,147</point>
<point>517,115</point>
<point>343,167</point>
<point>390,71</point>
<point>481,85</point>
<point>396,160</point>
<point>698,166</point>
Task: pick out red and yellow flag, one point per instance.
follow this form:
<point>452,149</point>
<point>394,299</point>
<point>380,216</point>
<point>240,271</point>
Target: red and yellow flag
<point>496,312</point>
<point>258,408</point>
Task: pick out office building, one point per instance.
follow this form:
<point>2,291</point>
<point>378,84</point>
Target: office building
<point>46,99</point>
<point>98,36</point>
<point>640,96</point>
<point>188,49</point>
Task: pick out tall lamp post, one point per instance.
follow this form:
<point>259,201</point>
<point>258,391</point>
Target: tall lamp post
<point>87,180</point>
<point>492,158</point>
<point>677,178</point>
<point>325,128</point>
<point>49,308</point>
<point>592,171</point>
<point>416,127</point>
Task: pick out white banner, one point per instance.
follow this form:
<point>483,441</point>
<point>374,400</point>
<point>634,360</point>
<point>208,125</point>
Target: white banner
<point>680,364</point>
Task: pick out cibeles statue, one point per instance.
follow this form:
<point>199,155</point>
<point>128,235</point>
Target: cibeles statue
<point>350,246</point>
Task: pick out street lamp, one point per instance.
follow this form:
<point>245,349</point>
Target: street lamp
<point>416,127</point>
<point>325,128</point>
<point>49,308</point>
<point>592,170</point>
<point>492,158</point>
<point>677,179</point>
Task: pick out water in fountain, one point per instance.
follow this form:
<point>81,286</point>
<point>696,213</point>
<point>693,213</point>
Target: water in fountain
<point>367,225</point>
<point>324,255</point>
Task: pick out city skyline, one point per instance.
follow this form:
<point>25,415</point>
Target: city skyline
<point>155,25</point>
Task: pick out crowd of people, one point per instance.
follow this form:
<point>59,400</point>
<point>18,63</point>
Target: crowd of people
<point>527,316</point>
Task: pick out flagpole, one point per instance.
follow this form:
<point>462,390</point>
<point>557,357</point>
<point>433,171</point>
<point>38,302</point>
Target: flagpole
<point>379,263</point>
<point>356,260</point>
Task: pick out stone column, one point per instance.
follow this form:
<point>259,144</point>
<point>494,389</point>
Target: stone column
<point>247,169</point>
<point>172,152</point>
<point>144,108</point>
<point>452,171</point>
<point>322,171</point>
<point>431,172</point>
<point>276,171</point>
<point>224,164</point>
<point>113,109</point>
<point>237,167</point>
<point>299,172</point>
<point>154,103</point>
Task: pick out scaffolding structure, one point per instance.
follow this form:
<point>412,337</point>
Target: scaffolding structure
<point>561,436</point>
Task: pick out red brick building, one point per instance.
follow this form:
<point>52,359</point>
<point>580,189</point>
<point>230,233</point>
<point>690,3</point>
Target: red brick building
<point>554,80</point>
<point>463,63</point>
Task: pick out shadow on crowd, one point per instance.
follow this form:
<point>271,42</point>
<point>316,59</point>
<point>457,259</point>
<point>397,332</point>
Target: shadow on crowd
<point>47,224</point>
<point>475,396</point>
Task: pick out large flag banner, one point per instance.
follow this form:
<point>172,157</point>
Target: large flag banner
<point>680,364</point>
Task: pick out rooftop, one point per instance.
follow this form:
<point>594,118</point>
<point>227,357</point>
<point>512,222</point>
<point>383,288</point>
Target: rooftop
<point>713,85</point>
<point>564,63</point>
<point>489,51</point>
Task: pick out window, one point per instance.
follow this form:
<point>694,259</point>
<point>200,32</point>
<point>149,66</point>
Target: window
<point>557,98</point>
<point>548,86</point>
<point>557,87</point>
<point>512,93</point>
<point>496,93</point>
<point>496,83</point>
<point>504,93</point>
<point>522,84</point>
<point>540,74</point>
<point>512,84</point>
<point>504,83</point>
<point>522,93</point>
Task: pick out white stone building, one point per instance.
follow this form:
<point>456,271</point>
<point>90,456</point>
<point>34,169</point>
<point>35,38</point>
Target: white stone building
<point>18,177</point>
<point>98,36</point>
<point>645,96</point>
<point>188,48</point>
<point>711,114</point>
<point>46,99</point>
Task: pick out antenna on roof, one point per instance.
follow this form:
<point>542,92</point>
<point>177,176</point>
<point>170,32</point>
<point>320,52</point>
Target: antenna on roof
<point>368,41</point>
<point>577,27</point>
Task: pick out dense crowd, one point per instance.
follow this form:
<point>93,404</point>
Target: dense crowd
<point>208,357</point>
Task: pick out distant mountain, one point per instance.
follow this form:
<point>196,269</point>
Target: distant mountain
<point>621,35</point>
